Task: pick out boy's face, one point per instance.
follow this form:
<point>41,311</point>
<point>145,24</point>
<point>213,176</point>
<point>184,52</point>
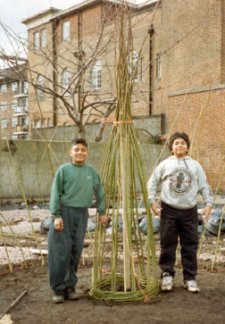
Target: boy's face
<point>179,148</point>
<point>79,153</point>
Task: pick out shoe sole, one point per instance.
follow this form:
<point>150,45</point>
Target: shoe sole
<point>192,291</point>
<point>58,301</point>
<point>73,298</point>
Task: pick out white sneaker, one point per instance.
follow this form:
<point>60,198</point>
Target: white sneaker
<point>191,286</point>
<point>167,282</point>
<point>58,297</point>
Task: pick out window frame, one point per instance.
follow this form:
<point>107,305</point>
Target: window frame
<point>4,123</point>
<point>4,106</point>
<point>66,30</point>
<point>133,66</point>
<point>15,86</point>
<point>158,66</point>
<point>96,75</point>
<point>66,78</point>
<point>14,122</point>
<point>43,38</point>
<point>36,40</point>
<point>3,87</point>
<point>41,82</point>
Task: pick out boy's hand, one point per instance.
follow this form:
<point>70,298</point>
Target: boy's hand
<point>58,224</point>
<point>206,213</point>
<point>104,220</point>
<point>156,210</point>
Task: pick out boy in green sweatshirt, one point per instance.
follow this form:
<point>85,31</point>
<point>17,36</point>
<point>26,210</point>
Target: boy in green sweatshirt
<point>74,186</point>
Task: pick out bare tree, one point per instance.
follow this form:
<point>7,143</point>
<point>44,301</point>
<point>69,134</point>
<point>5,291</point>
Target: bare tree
<point>61,78</point>
<point>65,76</point>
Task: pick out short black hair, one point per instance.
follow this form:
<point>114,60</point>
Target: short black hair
<point>79,140</point>
<point>177,135</point>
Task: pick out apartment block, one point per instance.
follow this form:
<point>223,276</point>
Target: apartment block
<point>14,103</point>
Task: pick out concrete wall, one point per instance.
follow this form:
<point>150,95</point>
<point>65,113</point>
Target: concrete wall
<point>145,128</point>
<point>27,167</point>
<point>28,170</point>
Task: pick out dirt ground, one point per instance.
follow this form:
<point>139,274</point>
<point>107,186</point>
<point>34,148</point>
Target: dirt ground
<point>178,306</point>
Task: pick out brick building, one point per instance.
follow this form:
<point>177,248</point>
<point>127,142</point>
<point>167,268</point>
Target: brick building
<point>14,102</point>
<point>193,75</point>
<point>76,59</point>
<point>178,50</point>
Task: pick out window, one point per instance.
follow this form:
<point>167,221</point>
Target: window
<point>66,30</point>
<point>43,38</point>
<point>14,104</point>
<point>23,121</point>
<point>158,67</point>
<point>96,75</point>
<point>14,122</point>
<point>22,102</point>
<point>40,85</point>
<point>24,87</point>
<point>4,106</point>
<point>3,87</point>
<point>4,123</point>
<point>37,123</point>
<point>36,40</point>
<point>14,86</point>
<point>66,79</point>
<point>133,63</point>
<point>18,109</point>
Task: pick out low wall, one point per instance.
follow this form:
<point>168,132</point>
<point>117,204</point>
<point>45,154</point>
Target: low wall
<point>145,128</point>
<point>27,167</point>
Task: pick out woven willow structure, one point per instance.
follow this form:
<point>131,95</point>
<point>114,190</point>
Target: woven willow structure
<point>125,267</point>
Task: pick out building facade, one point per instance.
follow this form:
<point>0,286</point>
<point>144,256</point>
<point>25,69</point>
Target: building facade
<point>179,59</point>
<point>14,103</point>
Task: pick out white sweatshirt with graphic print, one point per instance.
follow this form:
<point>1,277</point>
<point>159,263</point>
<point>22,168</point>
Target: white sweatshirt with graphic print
<point>182,180</point>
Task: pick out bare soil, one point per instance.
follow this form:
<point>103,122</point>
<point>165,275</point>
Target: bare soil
<point>178,306</point>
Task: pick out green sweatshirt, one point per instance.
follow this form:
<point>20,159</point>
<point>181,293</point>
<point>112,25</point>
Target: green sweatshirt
<point>76,186</point>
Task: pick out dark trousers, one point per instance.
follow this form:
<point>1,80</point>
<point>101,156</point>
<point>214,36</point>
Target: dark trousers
<point>65,248</point>
<point>182,224</point>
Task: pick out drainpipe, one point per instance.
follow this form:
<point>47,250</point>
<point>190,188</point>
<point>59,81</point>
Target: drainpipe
<point>80,61</point>
<point>54,74</point>
<point>151,71</point>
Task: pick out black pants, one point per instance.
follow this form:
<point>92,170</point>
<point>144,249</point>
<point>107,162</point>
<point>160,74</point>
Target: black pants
<point>182,224</point>
<point>65,248</point>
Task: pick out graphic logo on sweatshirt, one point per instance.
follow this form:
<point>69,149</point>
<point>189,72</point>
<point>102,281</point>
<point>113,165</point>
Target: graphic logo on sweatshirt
<point>181,180</point>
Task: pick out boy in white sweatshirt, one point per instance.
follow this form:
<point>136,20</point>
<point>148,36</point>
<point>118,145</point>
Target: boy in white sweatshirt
<point>182,179</point>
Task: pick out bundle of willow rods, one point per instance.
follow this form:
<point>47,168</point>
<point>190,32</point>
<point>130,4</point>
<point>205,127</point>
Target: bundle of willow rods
<point>122,171</point>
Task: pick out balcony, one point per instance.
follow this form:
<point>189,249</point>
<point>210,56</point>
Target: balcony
<point>20,111</point>
<point>20,95</point>
<point>21,129</point>
<point>20,135</point>
<point>21,132</point>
